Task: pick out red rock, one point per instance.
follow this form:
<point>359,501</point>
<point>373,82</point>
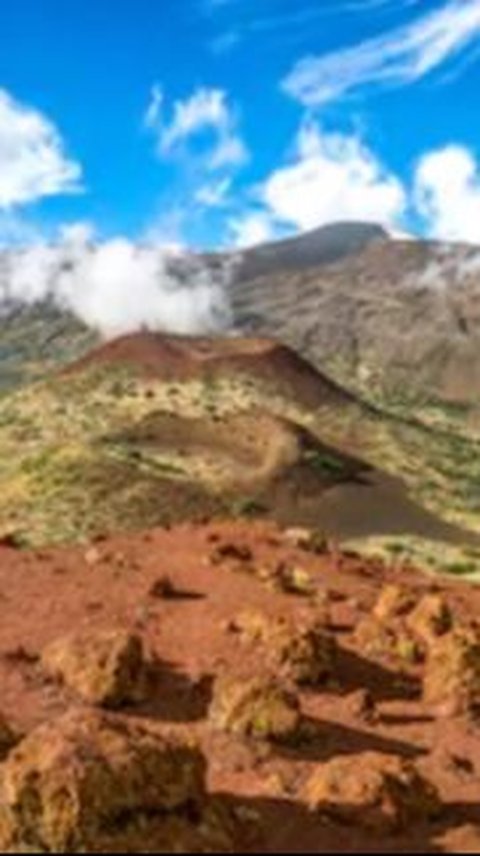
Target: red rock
<point>104,668</point>
<point>74,783</point>
<point>254,707</point>
<point>452,678</point>
<point>378,792</point>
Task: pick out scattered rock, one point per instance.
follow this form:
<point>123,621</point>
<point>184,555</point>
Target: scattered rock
<point>254,707</point>
<point>431,618</point>
<point>104,668</point>
<point>304,654</point>
<point>307,539</point>
<point>90,778</point>
<point>386,632</point>
<point>163,589</point>
<point>452,677</point>
<point>229,551</point>
<point>251,625</point>
<point>392,642</point>
<point>292,579</point>
<point>394,602</point>
<point>93,556</point>
<point>377,792</point>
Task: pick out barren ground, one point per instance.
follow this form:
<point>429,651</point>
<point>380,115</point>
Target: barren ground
<point>219,572</point>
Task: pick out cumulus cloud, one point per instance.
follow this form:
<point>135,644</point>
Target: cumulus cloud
<point>253,229</point>
<point>118,287</point>
<point>204,112</point>
<point>447,194</point>
<point>33,161</point>
<point>398,58</point>
<point>331,177</point>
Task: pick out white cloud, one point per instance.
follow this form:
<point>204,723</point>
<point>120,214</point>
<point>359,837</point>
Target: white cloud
<point>253,229</point>
<point>33,163</point>
<point>205,111</point>
<point>447,194</point>
<point>400,57</point>
<point>332,177</point>
<point>118,287</point>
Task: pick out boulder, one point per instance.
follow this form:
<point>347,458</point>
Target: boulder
<point>377,792</point>
<point>90,780</point>
<point>393,642</point>
<point>394,602</point>
<point>431,618</point>
<point>105,668</point>
<point>303,653</point>
<point>451,682</point>
<point>257,707</point>
<point>386,633</point>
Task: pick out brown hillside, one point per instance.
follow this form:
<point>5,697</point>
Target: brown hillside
<point>166,357</point>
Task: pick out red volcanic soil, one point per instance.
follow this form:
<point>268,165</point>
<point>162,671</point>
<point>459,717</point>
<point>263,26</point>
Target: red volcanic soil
<point>183,592</point>
<point>168,357</point>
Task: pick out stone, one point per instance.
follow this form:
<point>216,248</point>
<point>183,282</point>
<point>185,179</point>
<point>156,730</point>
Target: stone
<point>104,668</point>
<point>304,653</point>
<point>377,792</point>
<point>90,777</point>
<point>257,707</point>
<point>431,618</point>
<point>451,682</point>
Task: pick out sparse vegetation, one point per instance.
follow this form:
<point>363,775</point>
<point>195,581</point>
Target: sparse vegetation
<point>325,463</point>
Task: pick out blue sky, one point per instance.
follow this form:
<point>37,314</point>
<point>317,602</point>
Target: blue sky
<point>213,122</point>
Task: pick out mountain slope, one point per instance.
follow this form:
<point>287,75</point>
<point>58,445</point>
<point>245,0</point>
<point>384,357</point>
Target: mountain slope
<point>325,245</point>
<point>152,429</point>
<point>34,340</point>
<point>385,322</point>
<point>36,336</point>
<point>398,318</point>
<point>387,318</point>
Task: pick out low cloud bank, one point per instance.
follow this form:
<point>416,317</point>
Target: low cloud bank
<point>118,287</point>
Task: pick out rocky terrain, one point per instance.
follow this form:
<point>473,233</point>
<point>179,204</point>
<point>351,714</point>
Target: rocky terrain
<point>229,686</point>
<point>238,600</point>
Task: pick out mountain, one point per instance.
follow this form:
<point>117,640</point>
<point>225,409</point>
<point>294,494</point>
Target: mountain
<point>387,329</point>
<point>41,332</point>
<point>321,246</point>
<point>397,319</point>
<point>35,339</point>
